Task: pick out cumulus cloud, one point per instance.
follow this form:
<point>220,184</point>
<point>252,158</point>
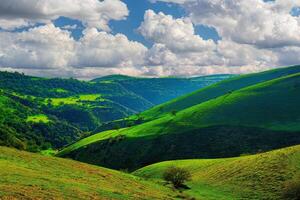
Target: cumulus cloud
<point>41,47</point>
<point>255,35</point>
<point>93,13</point>
<point>49,47</point>
<point>177,34</point>
<point>178,50</point>
<point>255,22</point>
<point>100,49</point>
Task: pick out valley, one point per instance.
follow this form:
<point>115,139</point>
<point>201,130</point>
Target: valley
<point>257,118</point>
<point>40,113</point>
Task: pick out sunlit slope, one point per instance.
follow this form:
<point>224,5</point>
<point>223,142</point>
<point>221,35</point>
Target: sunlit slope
<point>262,117</point>
<point>260,176</point>
<point>273,105</point>
<point>32,176</point>
<point>216,90</point>
<point>24,126</point>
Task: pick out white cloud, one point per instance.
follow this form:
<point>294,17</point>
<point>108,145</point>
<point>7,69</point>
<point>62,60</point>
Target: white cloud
<point>256,35</point>
<point>177,34</point>
<point>93,13</point>
<point>178,50</point>
<point>100,49</point>
<point>40,47</point>
<point>254,22</point>
<point>288,55</point>
<point>53,49</point>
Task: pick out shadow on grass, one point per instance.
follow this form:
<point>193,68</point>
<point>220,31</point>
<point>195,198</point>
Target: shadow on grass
<point>210,142</point>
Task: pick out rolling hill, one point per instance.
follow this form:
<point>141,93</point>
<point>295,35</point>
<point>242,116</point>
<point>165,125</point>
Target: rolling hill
<point>215,90</point>
<point>261,176</point>
<point>260,117</point>
<point>23,126</point>
<point>39,113</point>
<point>32,176</point>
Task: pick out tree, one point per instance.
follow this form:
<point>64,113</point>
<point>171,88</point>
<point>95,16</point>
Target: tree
<point>174,112</point>
<point>177,176</point>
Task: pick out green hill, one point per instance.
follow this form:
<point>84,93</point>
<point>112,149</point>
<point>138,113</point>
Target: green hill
<point>261,117</point>
<point>261,176</point>
<point>216,90</point>
<point>23,125</point>
<point>116,98</point>
<point>32,176</point>
<point>39,113</point>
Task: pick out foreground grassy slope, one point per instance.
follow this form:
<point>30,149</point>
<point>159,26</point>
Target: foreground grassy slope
<point>32,176</point>
<point>215,90</point>
<point>257,118</point>
<point>260,176</point>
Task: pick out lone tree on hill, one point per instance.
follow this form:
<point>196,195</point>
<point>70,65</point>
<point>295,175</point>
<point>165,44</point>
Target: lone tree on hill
<point>177,176</point>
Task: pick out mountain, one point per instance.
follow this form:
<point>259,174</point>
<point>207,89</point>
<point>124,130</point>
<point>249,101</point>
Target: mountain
<point>40,113</point>
<point>256,118</point>
<point>32,176</point>
<point>261,176</point>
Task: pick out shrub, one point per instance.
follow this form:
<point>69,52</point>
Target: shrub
<point>177,176</point>
<point>291,190</point>
<point>174,112</point>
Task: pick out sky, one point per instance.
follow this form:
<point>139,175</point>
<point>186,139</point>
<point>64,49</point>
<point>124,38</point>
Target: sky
<point>92,38</point>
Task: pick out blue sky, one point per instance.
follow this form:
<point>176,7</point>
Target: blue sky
<point>92,38</point>
<point>130,25</point>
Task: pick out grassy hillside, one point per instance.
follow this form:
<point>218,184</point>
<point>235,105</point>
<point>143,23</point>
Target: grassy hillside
<point>261,117</point>
<point>260,176</point>
<point>23,125</point>
<point>32,176</point>
<point>215,90</point>
<point>104,99</point>
<point>38,113</point>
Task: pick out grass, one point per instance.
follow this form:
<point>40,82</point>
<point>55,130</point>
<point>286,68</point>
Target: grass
<point>254,119</point>
<point>40,118</point>
<point>73,100</point>
<point>33,176</point>
<point>60,90</point>
<point>48,152</point>
<point>271,105</point>
<point>260,176</point>
<point>214,91</point>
